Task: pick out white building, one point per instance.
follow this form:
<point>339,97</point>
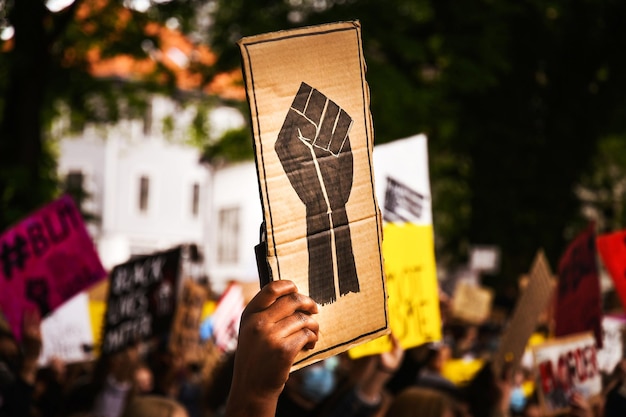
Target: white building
<point>147,186</point>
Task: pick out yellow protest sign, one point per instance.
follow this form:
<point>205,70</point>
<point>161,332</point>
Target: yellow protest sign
<point>408,251</point>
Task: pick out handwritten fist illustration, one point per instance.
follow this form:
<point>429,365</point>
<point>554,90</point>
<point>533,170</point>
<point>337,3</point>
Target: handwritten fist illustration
<point>313,147</point>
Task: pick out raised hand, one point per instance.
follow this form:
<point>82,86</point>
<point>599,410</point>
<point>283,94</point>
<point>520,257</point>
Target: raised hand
<point>275,326</point>
<point>314,149</point>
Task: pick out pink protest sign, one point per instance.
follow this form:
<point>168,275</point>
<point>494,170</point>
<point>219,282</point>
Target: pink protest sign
<point>45,260</point>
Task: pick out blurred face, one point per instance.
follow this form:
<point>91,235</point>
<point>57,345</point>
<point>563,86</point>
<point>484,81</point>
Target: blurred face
<point>143,380</point>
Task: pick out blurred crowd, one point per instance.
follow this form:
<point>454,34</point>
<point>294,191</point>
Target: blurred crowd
<point>146,379</point>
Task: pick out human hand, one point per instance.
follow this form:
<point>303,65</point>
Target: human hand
<point>275,326</point>
<point>390,361</point>
<point>580,407</point>
<point>314,149</point>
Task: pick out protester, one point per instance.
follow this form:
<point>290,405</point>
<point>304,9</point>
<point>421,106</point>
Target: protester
<point>107,390</point>
<point>421,402</point>
<point>154,406</point>
<point>20,367</point>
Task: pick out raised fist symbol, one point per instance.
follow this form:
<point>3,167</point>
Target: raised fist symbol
<point>314,149</point>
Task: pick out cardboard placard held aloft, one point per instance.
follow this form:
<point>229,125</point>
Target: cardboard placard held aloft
<point>313,139</point>
<point>471,303</point>
<point>531,304</point>
<point>185,335</point>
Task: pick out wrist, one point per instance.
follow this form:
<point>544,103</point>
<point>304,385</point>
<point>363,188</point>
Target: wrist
<point>247,405</point>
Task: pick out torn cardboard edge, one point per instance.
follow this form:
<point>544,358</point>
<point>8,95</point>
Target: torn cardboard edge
<point>532,303</point>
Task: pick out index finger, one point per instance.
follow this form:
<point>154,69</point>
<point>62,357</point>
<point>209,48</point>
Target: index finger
<point>270,293</point>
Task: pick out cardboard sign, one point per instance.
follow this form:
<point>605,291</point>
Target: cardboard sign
<point>471,303</point>
<point>532,303</point>
<point>578,301</point>
<point>313,139</point>
<point>612,249</point>
<point>142,299</point>
<point>45,260</point>
<point>564,366</point>
<point>66,334</point>
<point>185,337</point>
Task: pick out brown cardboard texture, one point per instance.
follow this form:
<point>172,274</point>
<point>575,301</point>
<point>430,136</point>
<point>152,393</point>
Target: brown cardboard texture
<point>185,338</point>
<point>309,105</point>
<point>471,303</point>
<point>531,305</point>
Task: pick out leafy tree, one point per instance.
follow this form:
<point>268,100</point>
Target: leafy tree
<point>513,95</point>
<point>49,61</point>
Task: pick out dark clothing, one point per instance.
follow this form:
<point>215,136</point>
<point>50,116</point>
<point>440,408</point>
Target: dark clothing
<point>429,379</point>
<point>615,405</point>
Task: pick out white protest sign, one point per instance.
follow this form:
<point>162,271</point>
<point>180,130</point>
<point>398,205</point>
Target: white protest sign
<point>66,333</point>
<point>613,345</point>
<point>565,366</point>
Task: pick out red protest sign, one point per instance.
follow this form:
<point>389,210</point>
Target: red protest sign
<point>45,260</point>
<point>578,304</point>
<point>612,248</point>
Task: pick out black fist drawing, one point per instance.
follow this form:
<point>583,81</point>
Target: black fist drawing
<point>314,149</point>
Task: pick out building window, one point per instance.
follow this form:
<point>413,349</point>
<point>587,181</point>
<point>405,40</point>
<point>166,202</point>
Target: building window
<point>195,200</point>
<point>147,119</point>
<point>228,235</point>
<point>74,183</point>
<point>144,193</point>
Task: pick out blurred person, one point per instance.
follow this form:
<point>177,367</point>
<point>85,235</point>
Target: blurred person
<point>154,406</point>
<point>105,392</point>
<point>488,394</point>
<point>518,397</point>
<point>143,380</point>
<point>49,386</point>
<point>19,367</point>
<point>615,392</point>
<point>431,375</point>
<point>363,394</point>
<point>421,402</point>
<point>579,406</point>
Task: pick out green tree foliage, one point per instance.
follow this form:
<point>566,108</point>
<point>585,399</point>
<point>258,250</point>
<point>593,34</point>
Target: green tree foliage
<point>513,95</point>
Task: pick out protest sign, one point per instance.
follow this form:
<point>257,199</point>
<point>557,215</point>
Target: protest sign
<point>461,371</point>
<point>224,323</point>
<point>612,350</point>
<point>578,302</point>
<point>141,300</point>
<point>185,336</point>
<point>471,303</point>
<point>66,334</point>
<point>531,304</point>
<point>564,366</point>
<point>402,183</point>
<point>612,249</point>
<point>313,140</point>
<point>45,260</point>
